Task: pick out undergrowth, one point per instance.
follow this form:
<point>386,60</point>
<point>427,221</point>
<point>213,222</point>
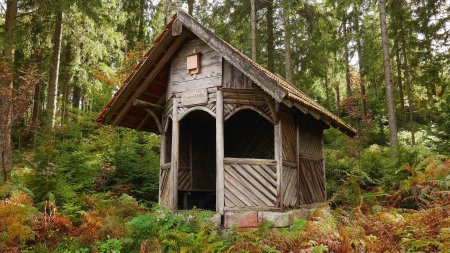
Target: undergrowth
<point>108,223</point>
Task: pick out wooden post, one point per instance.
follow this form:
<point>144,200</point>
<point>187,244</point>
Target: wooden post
<point>175,150</point>
<point>278,155</point>
<point>162,160</point>
<point>220,186</point>
<point>297,153</point>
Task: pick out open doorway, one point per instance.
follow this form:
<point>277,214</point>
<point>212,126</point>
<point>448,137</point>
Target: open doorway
<point>197,162</point>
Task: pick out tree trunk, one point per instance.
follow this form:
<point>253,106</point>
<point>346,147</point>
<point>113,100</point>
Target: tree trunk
<point>270,47</point>
<point>327,90</point>
<point>141,32</point>
<point>407,74</point>
<point>76,98</point>
<point>65,80</point>
<point>362,84</point>
<point>336,83</point>
<point>338,101</point>
<point>167,11</point>
<point>287,41</point>
<point>253,21</point>
<point>347,69</point>
<point>37,101</point>
<point>387,76</point>
<point>6,86</point>
<point>54,70</point>
<point>190,4</point>
<point>400,85</point>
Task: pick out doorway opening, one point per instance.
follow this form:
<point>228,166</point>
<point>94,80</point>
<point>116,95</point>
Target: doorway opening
<point>197,162</point>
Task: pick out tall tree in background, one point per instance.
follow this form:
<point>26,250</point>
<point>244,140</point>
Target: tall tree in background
<point>407,71</point>
<point>347,66</point>
<point>387,76</point>
<point>190,4</point>
<point>167,11</point>
<point>398,61</point>
<point>362,81</point>
<point>54,68</point>
<point>6,87</point>
<point>270,43</point>
<point>287,41</point>
<point>253,24</point>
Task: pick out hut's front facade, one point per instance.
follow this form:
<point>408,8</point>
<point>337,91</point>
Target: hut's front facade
<point>234,137</point>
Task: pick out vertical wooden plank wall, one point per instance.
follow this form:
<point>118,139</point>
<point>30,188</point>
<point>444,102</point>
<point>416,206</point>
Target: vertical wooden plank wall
<point>289,169</point>
<point>210,74</point>
<point>234,78</point>
<point>220,187</point>
<point>311,173</point>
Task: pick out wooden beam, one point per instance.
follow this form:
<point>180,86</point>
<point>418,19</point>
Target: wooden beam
<point>143,121</point>
<point>155,117</point>
<point>301,108</point>
<point>220,175</point>
<point>249,161</point>
<point>272,108</point>
<point>177,28</point>
<point>315,115</point>
<point>157,49</point>
<point>146,105</point>
<point>166,166</point>
<point>289,164</point>
<point>162,62</point>
<point>150,95</point>
<point>175,151</point>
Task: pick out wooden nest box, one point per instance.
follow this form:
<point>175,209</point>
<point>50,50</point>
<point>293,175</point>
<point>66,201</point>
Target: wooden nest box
<point>234,136</point>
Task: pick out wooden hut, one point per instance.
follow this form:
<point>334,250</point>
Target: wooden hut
<point>234,136</point>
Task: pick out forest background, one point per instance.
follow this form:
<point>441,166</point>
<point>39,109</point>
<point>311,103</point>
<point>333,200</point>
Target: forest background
<point>70,185</point>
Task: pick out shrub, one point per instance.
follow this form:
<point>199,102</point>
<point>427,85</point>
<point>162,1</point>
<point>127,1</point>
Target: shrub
<point>16,220</point>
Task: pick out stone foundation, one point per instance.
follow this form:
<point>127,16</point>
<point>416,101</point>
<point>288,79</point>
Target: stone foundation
<point>279,218</point>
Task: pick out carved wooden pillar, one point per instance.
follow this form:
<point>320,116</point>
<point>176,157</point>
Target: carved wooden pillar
<point>220,192</point>
<point>162,160</point>
<point>175,151</point>
<point>278,152</point>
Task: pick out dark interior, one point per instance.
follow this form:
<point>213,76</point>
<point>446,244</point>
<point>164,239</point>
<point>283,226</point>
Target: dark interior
<point>197,157</point>
<point>168,151</point>
<point>249,135</point>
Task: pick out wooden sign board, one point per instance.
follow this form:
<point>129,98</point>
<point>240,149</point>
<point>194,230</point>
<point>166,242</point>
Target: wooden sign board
<point>194,97</point>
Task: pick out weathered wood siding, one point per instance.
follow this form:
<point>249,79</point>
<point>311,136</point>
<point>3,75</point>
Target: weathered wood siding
<point>234,78</point>
<point>311,174</point>
<point>289,169</point>
<point>165,190</point>
<point>210,68</point>
<point>250,183</point>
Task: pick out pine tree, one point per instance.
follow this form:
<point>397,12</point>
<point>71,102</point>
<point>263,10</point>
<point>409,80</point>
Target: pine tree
<point>387,76</point>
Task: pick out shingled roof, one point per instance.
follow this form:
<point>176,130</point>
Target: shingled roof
<point>278,88</point>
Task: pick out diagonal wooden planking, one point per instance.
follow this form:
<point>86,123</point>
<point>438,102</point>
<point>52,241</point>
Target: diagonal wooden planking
<point>250,184</point>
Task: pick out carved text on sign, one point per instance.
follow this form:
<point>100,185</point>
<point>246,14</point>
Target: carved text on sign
<point>194,97</point>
